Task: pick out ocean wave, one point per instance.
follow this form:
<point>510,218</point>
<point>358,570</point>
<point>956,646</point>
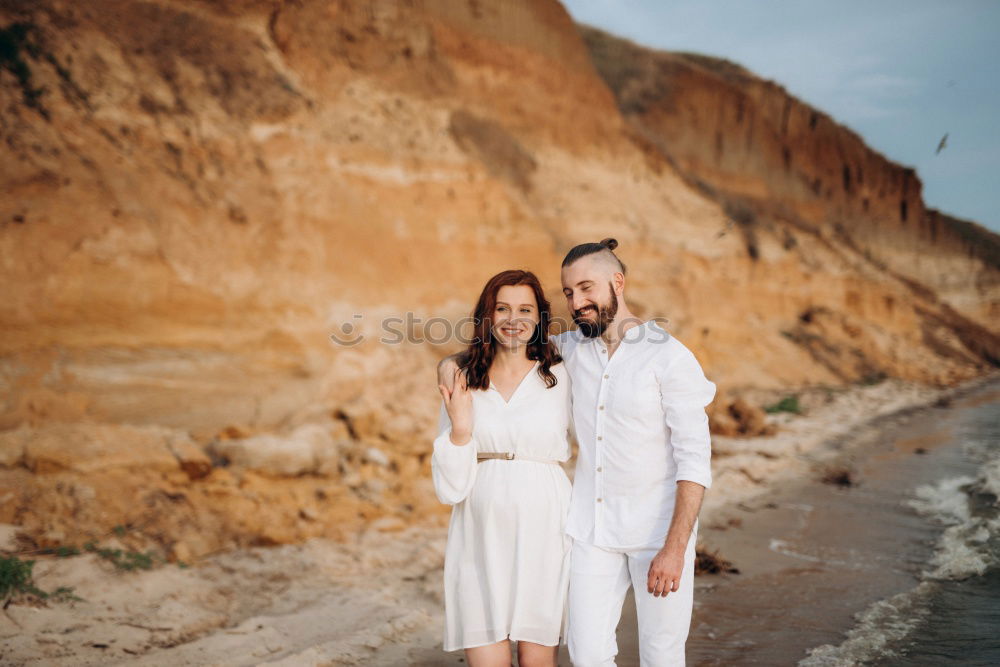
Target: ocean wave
<point>969,510</point>
<point>878,630</point>
<point>967,507</point>
<point>991,479</point>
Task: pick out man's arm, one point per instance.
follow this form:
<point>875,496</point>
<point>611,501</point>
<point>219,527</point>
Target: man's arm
<point>684,394</point>
<point>667,566</point>
<point>686,508</point>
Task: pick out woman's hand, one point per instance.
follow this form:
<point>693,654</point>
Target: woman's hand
<point>458,403</point>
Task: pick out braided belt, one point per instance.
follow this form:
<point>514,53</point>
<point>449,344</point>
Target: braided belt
<point>510,456</point>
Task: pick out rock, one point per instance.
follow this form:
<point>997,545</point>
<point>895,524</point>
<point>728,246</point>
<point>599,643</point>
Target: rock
<point>90,448</point>
<point>376,456</point>
<point>750,420</point>
<point>275,455</point>
<point>12,446</point>
<point>8,537</point>
<point>181,552</point>
<point>307,449</point>
<point>388,524</point>
<point>192,459</point>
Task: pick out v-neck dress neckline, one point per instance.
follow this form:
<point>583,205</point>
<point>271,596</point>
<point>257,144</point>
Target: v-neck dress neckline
<point>517,388</point>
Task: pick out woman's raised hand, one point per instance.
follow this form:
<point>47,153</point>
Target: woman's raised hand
<point>458,403</point>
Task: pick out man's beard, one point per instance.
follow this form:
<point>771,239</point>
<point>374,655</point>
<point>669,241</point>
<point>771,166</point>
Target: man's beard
<point>605,315</point>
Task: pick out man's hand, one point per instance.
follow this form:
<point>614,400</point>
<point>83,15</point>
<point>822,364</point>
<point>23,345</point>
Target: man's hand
<point>665,572</point>
<point>666,567</point>
<point>446,371</point>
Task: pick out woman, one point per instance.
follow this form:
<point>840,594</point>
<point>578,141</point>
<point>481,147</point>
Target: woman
<point>504,429</point>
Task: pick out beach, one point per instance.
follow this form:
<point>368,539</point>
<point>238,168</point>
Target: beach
<point>871,558</point>
<point>812,556</point>
<point>240,236</point>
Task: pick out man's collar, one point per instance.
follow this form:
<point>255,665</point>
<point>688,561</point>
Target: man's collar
<point>632,334</point>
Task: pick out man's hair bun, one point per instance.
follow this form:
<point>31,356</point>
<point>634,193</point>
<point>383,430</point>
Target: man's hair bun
<point>585,249</point>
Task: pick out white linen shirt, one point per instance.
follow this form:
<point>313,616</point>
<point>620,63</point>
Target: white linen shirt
<point>641,426</point>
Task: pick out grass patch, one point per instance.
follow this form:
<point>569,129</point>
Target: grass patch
<point>787,404</point>
<point>122,559</point>
<point>16,578</point>
<point>126,560</point>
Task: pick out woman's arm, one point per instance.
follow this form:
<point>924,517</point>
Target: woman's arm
<point>453,462</point>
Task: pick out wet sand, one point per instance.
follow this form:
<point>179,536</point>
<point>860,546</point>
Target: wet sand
<point>812,555</point>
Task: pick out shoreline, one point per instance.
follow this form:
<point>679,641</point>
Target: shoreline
<point>376,599</point>
<point>832,572</point>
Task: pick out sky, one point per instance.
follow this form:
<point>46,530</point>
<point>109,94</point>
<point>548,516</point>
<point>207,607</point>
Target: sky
<point>900,73</point>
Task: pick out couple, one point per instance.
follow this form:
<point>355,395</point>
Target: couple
<point>530,557</point>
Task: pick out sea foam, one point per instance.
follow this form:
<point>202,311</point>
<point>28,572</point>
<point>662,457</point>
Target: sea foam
<point>968,509</point>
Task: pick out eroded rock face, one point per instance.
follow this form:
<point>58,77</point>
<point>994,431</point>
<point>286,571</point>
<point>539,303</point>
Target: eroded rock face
<point>200,196</point>
<point>783,168</point>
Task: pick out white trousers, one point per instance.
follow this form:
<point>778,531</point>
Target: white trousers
<point>599,579</point>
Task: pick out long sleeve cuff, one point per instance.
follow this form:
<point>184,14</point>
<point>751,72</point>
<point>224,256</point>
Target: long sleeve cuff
<point>453,467</point>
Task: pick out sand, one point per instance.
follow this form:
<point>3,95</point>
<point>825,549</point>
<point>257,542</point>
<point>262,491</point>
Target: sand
<point>377,598</point>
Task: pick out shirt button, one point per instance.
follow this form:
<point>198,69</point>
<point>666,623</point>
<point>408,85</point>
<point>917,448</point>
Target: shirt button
<point>599,468</point>
<point>601,408</point>
<point>606,377</point>
<point>598,500</point>
<point>600,437</point>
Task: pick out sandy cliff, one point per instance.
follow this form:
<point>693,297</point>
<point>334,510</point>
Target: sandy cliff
<point>778,162</point>
<point>198,194</point>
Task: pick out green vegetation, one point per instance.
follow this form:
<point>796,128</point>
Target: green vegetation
<point>16,577</point>
<point>787,404</point>
<point>123,560</point>
<point>126,560</point>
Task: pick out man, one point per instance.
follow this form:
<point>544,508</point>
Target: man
<point>642,470</point>
<point>639,399</point>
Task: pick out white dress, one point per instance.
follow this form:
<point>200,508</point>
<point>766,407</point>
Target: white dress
<point>506,571</point>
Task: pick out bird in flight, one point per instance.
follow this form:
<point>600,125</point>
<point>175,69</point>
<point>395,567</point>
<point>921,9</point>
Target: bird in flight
<point>942,143</point>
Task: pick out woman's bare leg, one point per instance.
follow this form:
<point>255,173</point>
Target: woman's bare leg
<point>493,655</point>
<point>530,654</point>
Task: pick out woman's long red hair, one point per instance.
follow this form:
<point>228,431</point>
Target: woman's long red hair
<point>478,357</point>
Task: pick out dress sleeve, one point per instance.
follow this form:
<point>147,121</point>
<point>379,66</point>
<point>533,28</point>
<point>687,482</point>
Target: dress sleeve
<point>684,393</point>
<point>453,467</point>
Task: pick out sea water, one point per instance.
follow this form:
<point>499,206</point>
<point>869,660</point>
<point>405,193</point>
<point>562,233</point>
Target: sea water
<point>952,615</point>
